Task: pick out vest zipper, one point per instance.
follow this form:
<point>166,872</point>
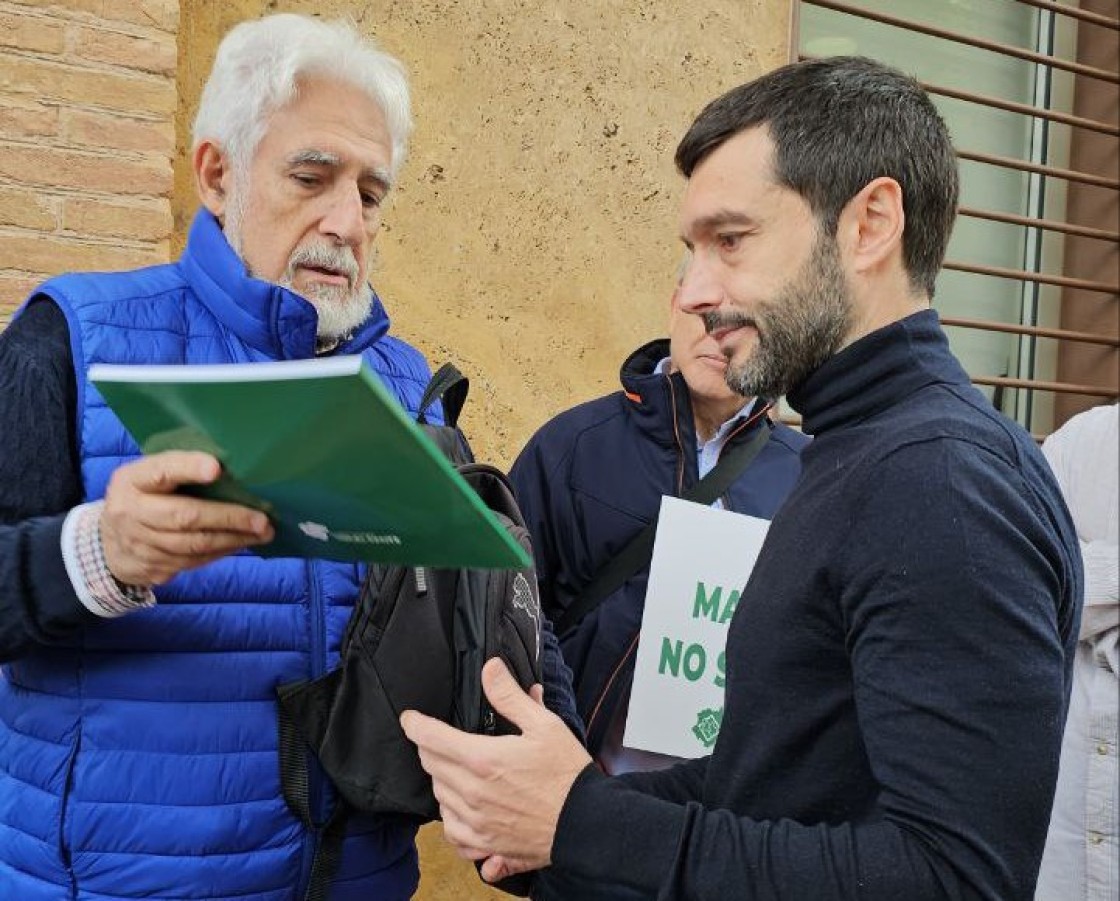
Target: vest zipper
<point>64,849</point>
<point>317,795</point>
<point>316,791</point>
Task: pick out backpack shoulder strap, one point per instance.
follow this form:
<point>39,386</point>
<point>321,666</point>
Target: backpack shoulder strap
<point>615,572</point>
<point>294,761</point>
<point>449,386</point>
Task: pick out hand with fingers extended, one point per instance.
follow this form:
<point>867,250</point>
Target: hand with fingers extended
<point>500,797</point>
<point>149,533</point>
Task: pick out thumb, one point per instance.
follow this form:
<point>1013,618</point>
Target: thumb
<point>163,472</point>
<point>493,869</point>
<point>508,698</point>
<point>496,868</point>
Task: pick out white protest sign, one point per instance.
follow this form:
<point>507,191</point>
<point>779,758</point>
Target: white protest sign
<point>702,558</point>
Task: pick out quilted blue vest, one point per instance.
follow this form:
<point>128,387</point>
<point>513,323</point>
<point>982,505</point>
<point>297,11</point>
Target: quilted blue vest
<point>140,760</point>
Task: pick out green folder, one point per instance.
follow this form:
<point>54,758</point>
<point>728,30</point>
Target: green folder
<point>322,448</point>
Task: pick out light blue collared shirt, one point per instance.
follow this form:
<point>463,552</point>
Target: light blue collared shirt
<point>707,452</point>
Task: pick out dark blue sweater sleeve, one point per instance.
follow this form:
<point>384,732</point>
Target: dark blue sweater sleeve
<point>559,696</point>
<point>951,619</point>
<point>556,679</point>
<point>39,481</point>
<point>679,783</point>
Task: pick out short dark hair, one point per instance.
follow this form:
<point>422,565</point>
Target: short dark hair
<point>837,124</point>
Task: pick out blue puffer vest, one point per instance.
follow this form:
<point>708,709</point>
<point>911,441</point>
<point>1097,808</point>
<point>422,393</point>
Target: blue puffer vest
<point>140,761</point>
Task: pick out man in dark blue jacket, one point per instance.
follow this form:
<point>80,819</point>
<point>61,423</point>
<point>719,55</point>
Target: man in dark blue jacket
<point>592,479</point>
<point>899,664</point>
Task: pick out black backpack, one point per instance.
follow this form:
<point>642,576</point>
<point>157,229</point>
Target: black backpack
<point>416,640</point>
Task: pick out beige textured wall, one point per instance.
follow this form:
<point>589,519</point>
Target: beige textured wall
<point>533,238</point>
<point>87,94</point>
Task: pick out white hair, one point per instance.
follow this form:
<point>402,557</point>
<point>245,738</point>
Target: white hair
<point>257,68</point>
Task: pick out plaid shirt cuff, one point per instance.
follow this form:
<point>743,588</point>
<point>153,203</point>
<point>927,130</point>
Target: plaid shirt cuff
<point>95,585</point>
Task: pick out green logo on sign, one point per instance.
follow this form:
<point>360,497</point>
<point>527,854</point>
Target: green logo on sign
<point>707,726</point>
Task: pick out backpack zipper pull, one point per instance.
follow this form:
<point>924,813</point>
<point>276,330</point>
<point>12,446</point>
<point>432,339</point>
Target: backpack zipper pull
<point>421,581</point>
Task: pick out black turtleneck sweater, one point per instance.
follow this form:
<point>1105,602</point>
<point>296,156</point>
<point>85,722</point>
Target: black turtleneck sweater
<point>898,667</point>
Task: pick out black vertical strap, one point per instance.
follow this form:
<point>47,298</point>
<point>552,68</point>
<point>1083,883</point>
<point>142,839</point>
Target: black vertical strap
<point>450,386</point>
<point>294,784</point>
<point>328,853</point>
<point>293,768</point>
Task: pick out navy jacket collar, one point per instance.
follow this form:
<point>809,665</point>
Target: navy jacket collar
<point>875,372</point>
<point>272,319</point>
<point>660,403</point>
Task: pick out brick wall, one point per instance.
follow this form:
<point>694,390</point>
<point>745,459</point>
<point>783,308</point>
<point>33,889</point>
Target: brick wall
<point>87,99</point>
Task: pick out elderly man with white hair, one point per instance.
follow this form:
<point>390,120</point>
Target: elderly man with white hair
<point>138,727</point>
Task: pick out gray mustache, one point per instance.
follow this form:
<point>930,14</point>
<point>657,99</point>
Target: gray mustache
<point>325,257</point>
<point>716,321</point>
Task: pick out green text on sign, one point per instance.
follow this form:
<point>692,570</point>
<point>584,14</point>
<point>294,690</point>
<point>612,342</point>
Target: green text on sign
<point>690,661</point>
<point>708,604</point>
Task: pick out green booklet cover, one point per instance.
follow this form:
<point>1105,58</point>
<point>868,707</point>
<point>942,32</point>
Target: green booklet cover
<point>321,447</point>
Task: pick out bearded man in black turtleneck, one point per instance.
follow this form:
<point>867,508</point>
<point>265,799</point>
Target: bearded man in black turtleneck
<point>899,664</point>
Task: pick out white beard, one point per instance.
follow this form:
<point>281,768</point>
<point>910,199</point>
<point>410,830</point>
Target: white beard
<point>340,310</point>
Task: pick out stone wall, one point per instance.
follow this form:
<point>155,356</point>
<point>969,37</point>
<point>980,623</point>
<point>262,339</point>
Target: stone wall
<point>87,98</point>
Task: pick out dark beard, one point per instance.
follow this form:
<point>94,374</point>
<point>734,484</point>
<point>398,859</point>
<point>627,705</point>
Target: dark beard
<point>798,329</point>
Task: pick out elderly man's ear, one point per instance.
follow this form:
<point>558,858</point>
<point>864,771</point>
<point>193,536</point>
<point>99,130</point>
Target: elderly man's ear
<point>212,174</point>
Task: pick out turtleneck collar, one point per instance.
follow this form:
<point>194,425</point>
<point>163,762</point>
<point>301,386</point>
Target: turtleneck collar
<point>875,371</point>
<point>274,320</point>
